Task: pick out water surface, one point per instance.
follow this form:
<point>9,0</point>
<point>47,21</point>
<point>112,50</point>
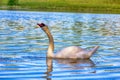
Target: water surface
<point>23,47</point>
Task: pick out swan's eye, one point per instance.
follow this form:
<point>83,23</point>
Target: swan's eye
<point>41,25</point>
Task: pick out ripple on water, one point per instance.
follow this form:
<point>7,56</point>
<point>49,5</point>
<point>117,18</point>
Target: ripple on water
<point>23,46</point>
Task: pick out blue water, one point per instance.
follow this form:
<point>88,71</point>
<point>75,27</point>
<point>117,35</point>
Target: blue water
<point>23,46</point>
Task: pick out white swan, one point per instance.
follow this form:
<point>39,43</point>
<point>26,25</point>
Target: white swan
<point>73,52</point>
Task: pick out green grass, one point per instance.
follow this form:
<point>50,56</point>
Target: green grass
<point>89,6</point>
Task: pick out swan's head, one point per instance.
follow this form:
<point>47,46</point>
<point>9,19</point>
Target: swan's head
<point>43,26</point>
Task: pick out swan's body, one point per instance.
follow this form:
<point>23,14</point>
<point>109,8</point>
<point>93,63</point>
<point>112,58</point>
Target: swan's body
<point>73,52</point>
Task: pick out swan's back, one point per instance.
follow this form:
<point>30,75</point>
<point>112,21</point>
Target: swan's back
<point>70,52</point>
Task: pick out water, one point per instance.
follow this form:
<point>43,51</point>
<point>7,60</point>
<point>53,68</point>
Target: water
<point>23,46</point>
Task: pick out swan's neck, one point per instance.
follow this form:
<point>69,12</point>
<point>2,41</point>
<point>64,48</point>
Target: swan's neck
<point>51,44</point>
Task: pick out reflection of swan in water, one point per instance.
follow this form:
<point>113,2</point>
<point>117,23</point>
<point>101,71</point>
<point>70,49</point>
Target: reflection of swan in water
<point>73,64</point>
<point>68,52</point>
<point>49,62</point>
<point>76,63</point>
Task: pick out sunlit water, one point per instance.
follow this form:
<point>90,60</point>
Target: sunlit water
<point>23,47</point>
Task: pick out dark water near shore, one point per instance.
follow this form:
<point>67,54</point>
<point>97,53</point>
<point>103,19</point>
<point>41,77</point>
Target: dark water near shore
<point>23,46</point>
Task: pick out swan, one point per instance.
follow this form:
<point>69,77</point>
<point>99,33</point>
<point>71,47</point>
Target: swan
<point>72,52</point>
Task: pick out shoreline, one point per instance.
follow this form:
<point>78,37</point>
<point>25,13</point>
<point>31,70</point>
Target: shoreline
<point>78,6</point>
<point>81,10</point>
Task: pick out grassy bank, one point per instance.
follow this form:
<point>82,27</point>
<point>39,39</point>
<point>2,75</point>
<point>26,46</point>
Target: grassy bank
<point>89,6</point>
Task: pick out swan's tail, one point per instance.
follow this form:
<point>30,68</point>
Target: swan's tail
<point>93,50</point>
